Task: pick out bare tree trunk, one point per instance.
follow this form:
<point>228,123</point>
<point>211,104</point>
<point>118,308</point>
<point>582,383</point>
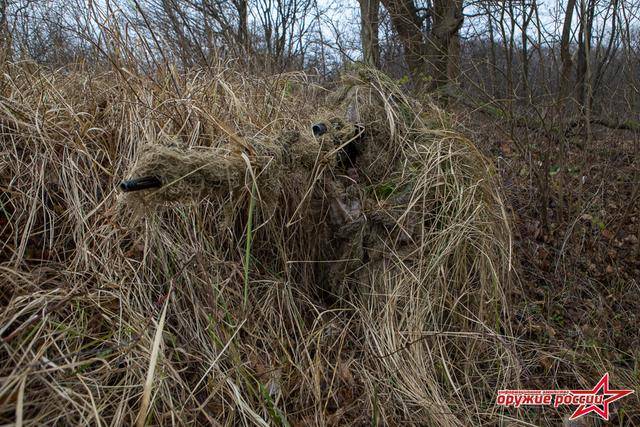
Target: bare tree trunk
<point>588,96</point>
<point>434,60</point>
<point>563,93</point>
<point>243,25</point>
<point>565,74</point>
<point>526,20</point>
<point>369,25</point>
<point>404,18</point>
<point>492,58</point>
<point>453,58</point>
<point>5,35</point>
<point>584,45</point>
<point>565,53</point>
<point>604,60</point>
<point>208,32</point>
<point>443,44</point>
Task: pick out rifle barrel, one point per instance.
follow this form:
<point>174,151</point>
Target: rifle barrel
<point>137,184</point>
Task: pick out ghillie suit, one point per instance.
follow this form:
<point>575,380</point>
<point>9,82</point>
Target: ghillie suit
<point>393,217</point>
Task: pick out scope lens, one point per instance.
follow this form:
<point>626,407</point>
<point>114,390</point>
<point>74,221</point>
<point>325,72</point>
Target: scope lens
<point>319,129</point>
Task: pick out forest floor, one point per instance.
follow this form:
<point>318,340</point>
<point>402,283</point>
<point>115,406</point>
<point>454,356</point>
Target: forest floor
<point>579,277</point>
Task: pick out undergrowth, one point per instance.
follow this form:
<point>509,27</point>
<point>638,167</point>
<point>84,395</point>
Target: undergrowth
<point>214,309</point>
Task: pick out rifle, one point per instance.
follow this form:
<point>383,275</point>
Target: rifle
<point>215,166</point>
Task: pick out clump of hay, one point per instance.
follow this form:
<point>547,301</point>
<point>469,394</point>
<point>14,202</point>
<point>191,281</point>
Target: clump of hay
<point>318,284</point>
<point>435,251</point>
<point>416,239</point>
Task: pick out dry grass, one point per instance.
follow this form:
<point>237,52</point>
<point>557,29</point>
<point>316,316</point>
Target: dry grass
<point>211,310</point>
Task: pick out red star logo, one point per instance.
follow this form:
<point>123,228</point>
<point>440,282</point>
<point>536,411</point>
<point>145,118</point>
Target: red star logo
<point>604,411</point>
